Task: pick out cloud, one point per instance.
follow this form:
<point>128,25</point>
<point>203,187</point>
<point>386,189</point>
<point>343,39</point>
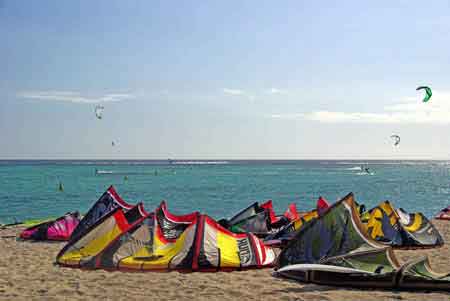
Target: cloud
<point>239,93</point>
<point>408,110</point>
<point>288,116</point>
<point>276,91</point>
<point>233,91</point>
<point>75,97</point>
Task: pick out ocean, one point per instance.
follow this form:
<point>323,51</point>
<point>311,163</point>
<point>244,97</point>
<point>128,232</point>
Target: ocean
<point>219,188</point>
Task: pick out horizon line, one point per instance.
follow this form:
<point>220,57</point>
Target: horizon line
<point>225,159</point>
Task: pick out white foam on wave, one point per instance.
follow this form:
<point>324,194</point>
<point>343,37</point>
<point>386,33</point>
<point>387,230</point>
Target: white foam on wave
<point>200,162</point>
<point>103,172</point>
<point>354,168</point>
<point>391,163</point>
<point>365,174</point>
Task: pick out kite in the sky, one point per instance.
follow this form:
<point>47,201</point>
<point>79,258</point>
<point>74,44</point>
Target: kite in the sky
<point>99,111</point>
<point>428,92</point>
<point>396,139</point>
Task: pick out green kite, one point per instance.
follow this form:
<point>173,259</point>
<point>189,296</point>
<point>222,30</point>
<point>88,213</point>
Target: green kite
<point>427,91</point>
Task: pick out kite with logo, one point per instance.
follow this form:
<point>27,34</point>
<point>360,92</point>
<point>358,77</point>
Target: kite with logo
<point>114,236</point>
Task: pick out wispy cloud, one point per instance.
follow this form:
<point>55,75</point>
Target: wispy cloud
<point>276,91</point>
<point>408,110</point>
<point>233,91</point>
<point>288,116</point>
<point>240,93</point>
<point>75,97</point>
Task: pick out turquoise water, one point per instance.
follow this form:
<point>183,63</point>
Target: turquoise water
<point>29,189</point>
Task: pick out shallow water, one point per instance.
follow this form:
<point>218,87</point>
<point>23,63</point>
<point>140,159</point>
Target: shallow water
<point>29,189</point>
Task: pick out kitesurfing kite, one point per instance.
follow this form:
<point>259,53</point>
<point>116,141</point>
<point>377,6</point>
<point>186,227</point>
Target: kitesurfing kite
<point>396,139</point>
<point>99,111</point>
<point>428,92</point>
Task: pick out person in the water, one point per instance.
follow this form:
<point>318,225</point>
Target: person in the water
<point>365,169</point>
<point>60,187</point>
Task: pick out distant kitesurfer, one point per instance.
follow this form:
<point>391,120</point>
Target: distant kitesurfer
<point>60,187</point>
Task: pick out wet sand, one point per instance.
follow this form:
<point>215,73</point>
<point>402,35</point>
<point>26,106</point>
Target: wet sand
<point>28,272</point>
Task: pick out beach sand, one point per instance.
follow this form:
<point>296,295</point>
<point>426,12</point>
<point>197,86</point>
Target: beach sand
<point>28,272</point>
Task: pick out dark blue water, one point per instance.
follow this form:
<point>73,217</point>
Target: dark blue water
<point>29,189</point>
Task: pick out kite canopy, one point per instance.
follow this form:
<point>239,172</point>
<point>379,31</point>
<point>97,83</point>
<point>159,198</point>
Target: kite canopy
<point>443,214</point>
<point>260,220</point>
<point>242,215</point>
<point>428,92</point>
<point>99,111</point>
<point>337,232</point>
<point>288,232</point>
<point>322,205</point>
<point>291,213</point>
<point>58,229</point>
<point>377,268</point>
<point>163,241</point>
<point>334,249</point>
<point>109,201</point>
<point>396,139</point>
<point>401,229</point>
<point>82,251</point>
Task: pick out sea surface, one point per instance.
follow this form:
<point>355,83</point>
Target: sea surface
<point>30,189</point>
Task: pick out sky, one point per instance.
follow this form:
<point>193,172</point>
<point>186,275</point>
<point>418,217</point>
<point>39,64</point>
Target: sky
<point>224,79</point>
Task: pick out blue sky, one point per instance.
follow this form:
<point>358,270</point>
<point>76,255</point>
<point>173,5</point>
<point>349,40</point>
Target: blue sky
<point>224,79</point>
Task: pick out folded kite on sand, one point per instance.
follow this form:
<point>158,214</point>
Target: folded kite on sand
<point>58,229</point>
<point>260,220</point>
<point>283,235</point>
<point>443,214</point>
<point>109,201</point>
<point>370,269</point>
<point>335,249</point>
<point>400,229</point>
<point>141,241</point>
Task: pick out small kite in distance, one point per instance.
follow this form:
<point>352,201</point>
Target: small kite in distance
<point>428,92</point>
<point>396,139</point>
<point>99,111</point>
